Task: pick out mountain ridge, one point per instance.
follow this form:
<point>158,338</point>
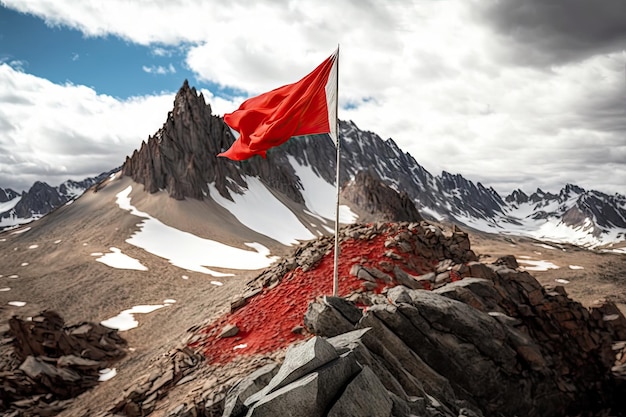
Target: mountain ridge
<point>41,199</point>
<point>254,238</point>
<point>181,159</point>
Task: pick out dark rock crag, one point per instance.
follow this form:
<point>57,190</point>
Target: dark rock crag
<point>377,199</point>
<point>44,364</point>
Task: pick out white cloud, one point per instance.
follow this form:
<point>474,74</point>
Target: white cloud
<point>159,69</point>
<point>432,75</point>
<point>54,132</point>
<point>162,52</point>
<point>17,64</point>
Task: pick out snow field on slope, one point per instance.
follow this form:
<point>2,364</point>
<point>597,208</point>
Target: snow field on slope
<point>320,197</point>
<point>259,210</point>
<point>551,229</point>
<point>189,251</point>
<point>8,205</point>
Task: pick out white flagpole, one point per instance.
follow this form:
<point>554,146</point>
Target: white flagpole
<point>338,145</point>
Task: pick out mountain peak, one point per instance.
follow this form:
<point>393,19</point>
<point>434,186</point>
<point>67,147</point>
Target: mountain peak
<point>517,197</point>
<point>7,194</point>
<point>181,156</point>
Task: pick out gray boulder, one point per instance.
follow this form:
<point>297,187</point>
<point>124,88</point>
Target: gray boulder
<point>365,396</point>
<point>299,361</point>
<point>310,395</point>
<point>253,383</point>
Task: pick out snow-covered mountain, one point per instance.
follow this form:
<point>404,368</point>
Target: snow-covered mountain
<point>40,199</point>
<point>300,175</point>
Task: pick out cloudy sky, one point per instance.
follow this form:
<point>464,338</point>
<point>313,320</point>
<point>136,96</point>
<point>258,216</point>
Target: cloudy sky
<point>514,94</point>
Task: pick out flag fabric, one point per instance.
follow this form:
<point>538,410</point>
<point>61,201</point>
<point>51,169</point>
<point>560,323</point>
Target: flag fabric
<point>306,107</point>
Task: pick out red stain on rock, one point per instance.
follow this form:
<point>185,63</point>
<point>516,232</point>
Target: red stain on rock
<point>266,322</point>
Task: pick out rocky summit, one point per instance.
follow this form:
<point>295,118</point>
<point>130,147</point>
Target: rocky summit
<point>420,327</point>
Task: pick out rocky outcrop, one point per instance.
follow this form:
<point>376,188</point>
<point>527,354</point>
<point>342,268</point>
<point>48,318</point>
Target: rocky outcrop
<point>45,364</point>
<point>181,156</point>
<point>372,196</point>
<point>494,343</point>
<point>141,398</point>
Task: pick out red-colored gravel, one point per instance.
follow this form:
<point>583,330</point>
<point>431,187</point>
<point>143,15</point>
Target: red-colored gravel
<point>266,322</point>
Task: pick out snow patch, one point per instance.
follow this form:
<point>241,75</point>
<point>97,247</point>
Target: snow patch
<point>126,319</point>
<point>576,267</point>
<point>118,260</point>
<point>543,245</point>
<point>538,265</point>
<point>17,303</point>
<point>616,250</point>
<point>189,251</point>
<point>8,205</point>
<point>431,212</point>
<point>106,374</point>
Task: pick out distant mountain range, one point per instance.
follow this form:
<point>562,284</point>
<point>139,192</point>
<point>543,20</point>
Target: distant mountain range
<point>41,199</point>
<point>181,159</point>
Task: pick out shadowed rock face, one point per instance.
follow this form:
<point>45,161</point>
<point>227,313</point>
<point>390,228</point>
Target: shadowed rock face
<point>40,199</point>
<point>181,156</point>
<point>374,197</point>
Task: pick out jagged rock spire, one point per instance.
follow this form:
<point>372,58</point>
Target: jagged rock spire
<point>181,156</point>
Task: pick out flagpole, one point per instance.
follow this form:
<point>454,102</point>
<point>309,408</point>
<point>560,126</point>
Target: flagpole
<point>336,264</point>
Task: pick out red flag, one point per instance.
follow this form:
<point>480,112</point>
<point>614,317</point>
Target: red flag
<point>306,107</point>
